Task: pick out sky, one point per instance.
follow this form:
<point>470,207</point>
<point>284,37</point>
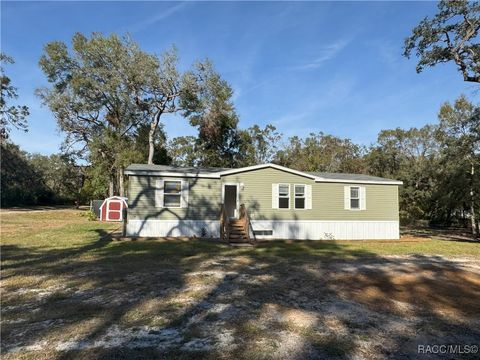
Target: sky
<point>335,67</point>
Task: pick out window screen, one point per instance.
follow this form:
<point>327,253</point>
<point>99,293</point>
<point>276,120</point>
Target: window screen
<point>284,196</point>
<point>299,196</point>
<point>354,198</point>
<point>172,193</point>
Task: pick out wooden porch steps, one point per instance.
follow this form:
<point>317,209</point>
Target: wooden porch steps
<point>236,231</point>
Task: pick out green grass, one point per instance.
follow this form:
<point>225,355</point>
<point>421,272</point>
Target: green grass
<point>51,229</point>
<point>69,229</point>
<point>364,248</point>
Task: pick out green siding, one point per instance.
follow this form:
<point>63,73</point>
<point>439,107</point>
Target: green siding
<point>327,198</point>
<point>205,197</point>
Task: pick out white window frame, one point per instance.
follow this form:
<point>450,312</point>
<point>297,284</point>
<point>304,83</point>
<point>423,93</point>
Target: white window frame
<point>167,194</point>
<point>304,197</point>
<point>284,197</point>
<point>359,198</point>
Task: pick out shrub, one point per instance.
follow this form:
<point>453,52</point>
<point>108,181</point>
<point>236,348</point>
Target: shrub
<point>90,215</point>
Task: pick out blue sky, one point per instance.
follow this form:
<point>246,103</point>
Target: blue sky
<point>305,67</point>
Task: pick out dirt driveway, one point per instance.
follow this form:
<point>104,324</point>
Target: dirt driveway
<point>237,305</point>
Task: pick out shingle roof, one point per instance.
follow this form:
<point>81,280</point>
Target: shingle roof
<point>217,172</point>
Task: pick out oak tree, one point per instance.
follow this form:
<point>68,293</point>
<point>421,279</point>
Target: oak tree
<point>10,115</point>
<point>451,35</point>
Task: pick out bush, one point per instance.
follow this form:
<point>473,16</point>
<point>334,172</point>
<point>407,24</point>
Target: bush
<point>90,215</point>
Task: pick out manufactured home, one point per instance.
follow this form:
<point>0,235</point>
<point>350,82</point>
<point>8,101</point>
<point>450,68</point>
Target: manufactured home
<point>265,201</point>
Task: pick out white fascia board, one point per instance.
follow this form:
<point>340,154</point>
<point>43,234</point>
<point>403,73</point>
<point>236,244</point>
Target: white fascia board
<point>393,182</point>
<point>262,166</point>
<point>172,174</point>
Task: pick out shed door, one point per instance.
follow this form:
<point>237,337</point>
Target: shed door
<point>114,210</point>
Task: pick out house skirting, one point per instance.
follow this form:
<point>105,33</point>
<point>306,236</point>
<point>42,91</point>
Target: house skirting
<point>328,230</point>
<point>162,228</point>
<point>281,229</point>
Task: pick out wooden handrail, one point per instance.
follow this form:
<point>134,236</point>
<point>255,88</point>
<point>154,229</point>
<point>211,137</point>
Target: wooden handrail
<point>251,227</point>
<point>246,221</point>
<point>224,224</point>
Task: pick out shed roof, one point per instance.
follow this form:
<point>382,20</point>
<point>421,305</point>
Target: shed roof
<point>115,197</point>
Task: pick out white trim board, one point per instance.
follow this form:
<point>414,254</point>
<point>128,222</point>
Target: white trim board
<point>390,182</point>
<point>262,166</point>
<point>171,174</point>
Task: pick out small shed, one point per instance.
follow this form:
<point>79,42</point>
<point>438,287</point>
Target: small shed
<point>112,208</point>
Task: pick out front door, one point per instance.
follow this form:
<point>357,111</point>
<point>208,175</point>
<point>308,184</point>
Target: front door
<point>230,200</point>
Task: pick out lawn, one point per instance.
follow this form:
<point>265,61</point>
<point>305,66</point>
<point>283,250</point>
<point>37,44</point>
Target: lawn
<point>71,290</point>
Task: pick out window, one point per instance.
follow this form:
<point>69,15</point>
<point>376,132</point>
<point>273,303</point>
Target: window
<point>354,198</point>
<point>299,196</point>
<point>172,194</point>
<point>283,196</point>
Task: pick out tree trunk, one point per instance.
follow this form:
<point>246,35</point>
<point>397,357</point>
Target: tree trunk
<point>472,202</point>
<point>121,184</point>
<point>151,137</point>
<point>110,187</point>
<point>79,190</point>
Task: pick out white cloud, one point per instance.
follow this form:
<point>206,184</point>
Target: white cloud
<point>326,53</point>
<point>387,52</point>
<point>165,13</point>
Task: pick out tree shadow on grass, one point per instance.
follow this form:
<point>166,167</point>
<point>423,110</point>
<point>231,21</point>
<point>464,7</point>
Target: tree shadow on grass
<point>195,299</point>
<point>20,256</point>
<point>459,235</point>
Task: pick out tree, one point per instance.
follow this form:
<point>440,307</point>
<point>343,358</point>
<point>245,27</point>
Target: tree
<point>184,151</point>
<point>206,101</point>
<point>158,92</point>
<point>199,94</point>
<point>90,95</point>
<point>321,152</point>
<point>255,146</point>
<point>459,133</point>
<point>22,184</point>
<point>10,115</point>
<point>33,179</point>
<point>259,146</point>
<point>61,175</point>
<point>411,156</point>
<point>449,36</point>
<point>142,144</point>
<point>109,155</point>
